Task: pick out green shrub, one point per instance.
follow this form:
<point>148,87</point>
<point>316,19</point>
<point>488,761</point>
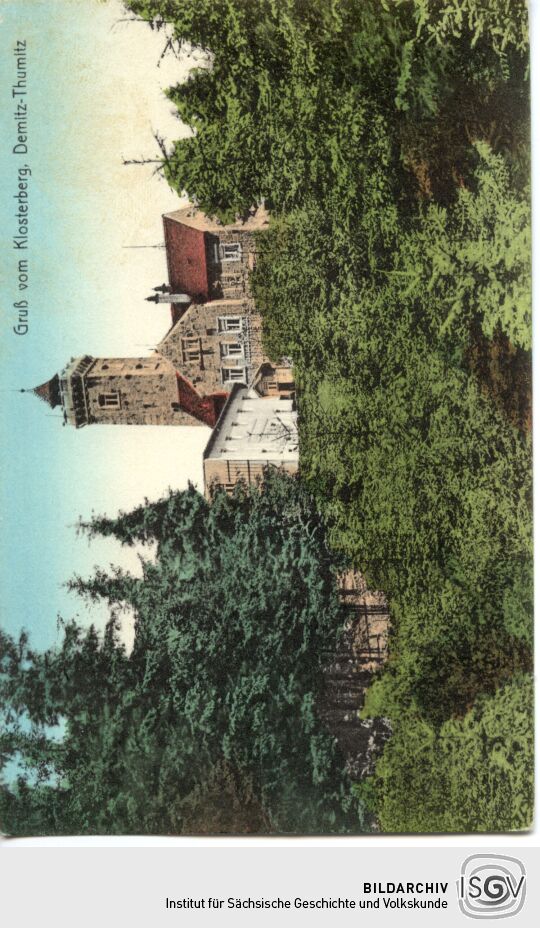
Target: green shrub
<point>474,774</point>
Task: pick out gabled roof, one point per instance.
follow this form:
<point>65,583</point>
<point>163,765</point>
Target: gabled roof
<point>220,421</point>
<point>253,221</point>
<point>185,233</point>
<point>169,340</point>
<point>186,260</point>
<point>265,432</point>
<point>204,408</point>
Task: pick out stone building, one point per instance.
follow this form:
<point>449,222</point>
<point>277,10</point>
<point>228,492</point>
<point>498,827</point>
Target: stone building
<point>210,260</point>
<point>275,380</point>
<point>128,391</point>
<point>253,433</point>
<point>215,340</point>
<point>216,344</point>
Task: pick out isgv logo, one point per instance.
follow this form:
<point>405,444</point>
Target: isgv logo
<point>491,886</point>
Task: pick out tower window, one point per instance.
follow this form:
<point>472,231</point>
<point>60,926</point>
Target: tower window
<point>230,323</point>
<point>109,400</point>
<point>228,251</point>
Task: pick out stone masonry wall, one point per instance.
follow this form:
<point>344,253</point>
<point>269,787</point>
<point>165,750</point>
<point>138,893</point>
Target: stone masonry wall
<point>134,391</point>
<point>197,348</point>
<point>230,279</point>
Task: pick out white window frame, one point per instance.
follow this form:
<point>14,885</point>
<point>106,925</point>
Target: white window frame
<point>231,349</point>
<point>191,349</point>
<point>220,252</point>
<point>230,324</point>
<point>234,375</point>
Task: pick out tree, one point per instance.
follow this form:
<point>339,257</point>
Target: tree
<point>423,473</point>
<point>232,621</point>
<point>474,774</point>
<point>285,105</point>
<point>391,142</point>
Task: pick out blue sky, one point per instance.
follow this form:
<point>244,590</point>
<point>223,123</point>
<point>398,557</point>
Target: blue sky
<point>94,97</point>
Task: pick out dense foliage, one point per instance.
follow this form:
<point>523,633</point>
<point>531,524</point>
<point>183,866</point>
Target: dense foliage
<point>473,774</point>
<point>410,334</point>
<point>210,723</point>
<point>424,478</point>
<point>390,140</point>
<point>299,92</point>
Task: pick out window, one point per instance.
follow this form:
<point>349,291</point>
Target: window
<point>231,251</point>
<point>231,349</point>
<point>191,349</point>
<point>228,251</point>
<point>230,374</point>
<point>230,323</point>
<point>109,400</point>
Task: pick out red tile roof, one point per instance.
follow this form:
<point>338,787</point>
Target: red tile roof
<point>204,408</point>
<point>186,261</point>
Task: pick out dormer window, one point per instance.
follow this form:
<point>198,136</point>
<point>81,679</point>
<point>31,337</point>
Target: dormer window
<point>227,251</point>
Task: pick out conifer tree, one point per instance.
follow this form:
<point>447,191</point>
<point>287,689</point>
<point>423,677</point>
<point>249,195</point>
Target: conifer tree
<point>233,619</point>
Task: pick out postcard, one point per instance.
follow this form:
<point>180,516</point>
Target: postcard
<point>265,418</point>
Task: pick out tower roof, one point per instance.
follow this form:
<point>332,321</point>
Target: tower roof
<point>49,391</point>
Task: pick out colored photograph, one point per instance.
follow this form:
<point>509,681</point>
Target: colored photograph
<point>265,371</point>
